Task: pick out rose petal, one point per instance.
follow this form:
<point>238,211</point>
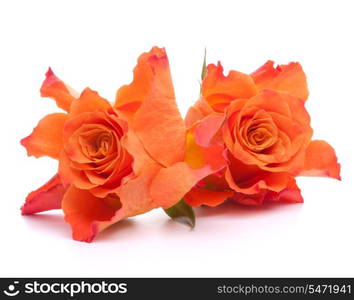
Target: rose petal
<point>89,215</point>
<point>219,90</point>
<point>141,158</point>
<point>197,112</point>
<point>207,129</point>
<point>291,194</point>
<point>251,200</point>
<point>204,156</point>
<point>199,196</point>
<point>172,183</point>
<point>249,179</point>
<point>89,101</point>
<point>321,160</point>
<point>289,78</point>
<point>56,89</point>
<point>84,212</point>
<point>149,105</point>
<point>47,197</point>
<point>47,138</point>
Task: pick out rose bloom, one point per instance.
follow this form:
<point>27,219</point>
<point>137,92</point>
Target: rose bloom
<point>114,161</point>
<point>262,124</point>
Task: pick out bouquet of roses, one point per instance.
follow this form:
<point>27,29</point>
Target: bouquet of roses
<point>245,140</point>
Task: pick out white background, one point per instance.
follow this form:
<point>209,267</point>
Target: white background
<point>96,44</point>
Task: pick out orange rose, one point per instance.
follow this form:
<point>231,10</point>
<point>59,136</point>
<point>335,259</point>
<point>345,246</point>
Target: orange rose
<point>114,161</point>
<point>266,134</point>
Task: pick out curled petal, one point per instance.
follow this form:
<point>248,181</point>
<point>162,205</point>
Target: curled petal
<point>47,197</point>
<point>56,89</point>
<point>47,138</point>
<point>219,90</point>
<point>249,179</point>
<point>290,194</point>
<point>89,101</point>
<point>288,78</point>
<point>199,196</point>
<point>84,212</point>
<point>321,160</point>
<point>149,105</point>
<point>88,215</point>
<point>71,175</point>
<point>251,200</point>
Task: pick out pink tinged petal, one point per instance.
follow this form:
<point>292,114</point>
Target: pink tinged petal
<point>47,197</point>
<point>56,89</point>
<point>249,200</point>
<point>290,194</point>
<point>197,112</point>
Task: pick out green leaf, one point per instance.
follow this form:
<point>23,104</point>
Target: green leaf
<point>204,68</point>
<point>182,213</point>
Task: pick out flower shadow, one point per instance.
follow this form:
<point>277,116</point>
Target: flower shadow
<point>123,229</point>
<point>52,223</point>
<point>232,209</point>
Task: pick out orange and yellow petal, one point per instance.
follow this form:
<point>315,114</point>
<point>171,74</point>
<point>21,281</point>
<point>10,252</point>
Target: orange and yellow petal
<point>204,145</point>
<point>47,138</point>
<point>47,197</point>
<point>149,105</point>
<point>56,89</point>
<point>204,156</point>
<point>321,160</point>
<point>288,78</point>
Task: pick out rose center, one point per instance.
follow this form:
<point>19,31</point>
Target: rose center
<point>103,143</point>
<point>259,137</point>
<point>97,145</point>
<point>258,132</point>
